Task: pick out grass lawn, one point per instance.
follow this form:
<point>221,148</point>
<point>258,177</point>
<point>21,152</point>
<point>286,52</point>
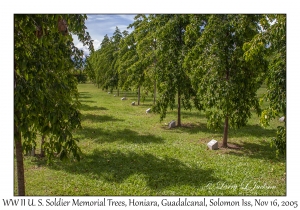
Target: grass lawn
<point>129,152</point>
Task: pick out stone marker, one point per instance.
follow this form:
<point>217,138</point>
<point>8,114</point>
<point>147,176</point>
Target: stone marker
<point>172,124</point>
<point>108,92</point>
<point>33,152</point>
<point>114,95</point>
<point>124,98</point>
<point>281,119</point>
<point>213,145</point>
<point>133,103</point>
<point>148,110</point>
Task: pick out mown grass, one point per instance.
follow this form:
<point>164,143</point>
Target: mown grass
<point>129,152</point>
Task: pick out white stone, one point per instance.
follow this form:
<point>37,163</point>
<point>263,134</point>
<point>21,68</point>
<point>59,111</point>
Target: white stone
<point>124,98</point>
<point>281,119</point>
<point>108,92</point>
<point>114,95</point>
<point>172,124</point>
<point>148,110</point>
<point>213,144</point>
<point>133,103</point>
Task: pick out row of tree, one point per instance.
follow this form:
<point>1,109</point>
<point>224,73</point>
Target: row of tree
<point>215,63</point>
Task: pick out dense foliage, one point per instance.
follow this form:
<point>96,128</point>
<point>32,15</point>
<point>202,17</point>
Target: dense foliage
<point>273,35</point>
<point>45,90</point>
<point>226,83</point>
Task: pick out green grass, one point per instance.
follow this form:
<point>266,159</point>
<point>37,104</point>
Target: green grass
<point>129,152</point>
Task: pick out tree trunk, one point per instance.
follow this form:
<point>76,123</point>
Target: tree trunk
<point>42,144</point>
<point>154,92</point>
<point>178,111</point>
<point>225,134</point>
<point>139,95</point>
<point>20,164</point>
<point>18,146</point>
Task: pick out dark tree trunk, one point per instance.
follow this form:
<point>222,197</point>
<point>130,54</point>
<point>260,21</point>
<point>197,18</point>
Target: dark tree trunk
<point>139,95</point>
<point>178,111</point>
<point>225,134</point>
<point>20,164</point>
<point>154,92</point>
<point>42,146</point>
<point>19,149</point>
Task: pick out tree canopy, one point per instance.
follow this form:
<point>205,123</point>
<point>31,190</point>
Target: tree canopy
<point>45,90</point>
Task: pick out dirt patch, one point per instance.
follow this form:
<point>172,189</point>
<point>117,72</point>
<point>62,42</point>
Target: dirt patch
<point>233,146</point>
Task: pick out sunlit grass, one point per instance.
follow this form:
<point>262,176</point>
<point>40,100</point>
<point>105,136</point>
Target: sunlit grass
<point>129,152</point>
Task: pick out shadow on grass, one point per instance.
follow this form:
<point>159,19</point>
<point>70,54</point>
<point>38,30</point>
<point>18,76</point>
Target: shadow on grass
<point>87,101</point>
<point>125,135</point>
<point>86,107</point>
<point>100,118</point>
<point>192,128</point>
<point>261,150</point>
<point>159,173</point>
<point>84,96</point>
<point>247,131</point>
<point>252,130</point>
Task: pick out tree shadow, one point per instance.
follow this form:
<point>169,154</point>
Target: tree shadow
<point>84,95</point>
<point>86,101</point>
<point>246,131</point>
<point>158,172</point>
<point>100,118</point>
<point>122,135</point>
<point>261,150</point>
<point>252,130</point>
<point>192,128</point>
<point>86,107</point>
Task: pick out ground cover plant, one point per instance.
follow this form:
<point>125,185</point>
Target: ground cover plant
<point>128,152</point>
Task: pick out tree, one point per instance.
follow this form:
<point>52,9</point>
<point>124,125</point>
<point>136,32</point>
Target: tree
<point>272,40</point>
<point>115,48</point>
<point>104,62</point>
<point>99,61</point>
<point>172,76</point>
<point>135,57</point>
<point>45,91</point>
<point>130,71</point>
<point>225,81</point>
<point>145,37</point>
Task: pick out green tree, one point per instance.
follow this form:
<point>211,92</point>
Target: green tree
<point>225,81</point>
<point>272,35</point>
<point>45,90</point>
<point>130,71</point>
<point>105,62</point>
<point>172,77</point>
<point>145,37</point>
<point>113,71</point>
<point>135,57</point>
<point>99,61</point>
